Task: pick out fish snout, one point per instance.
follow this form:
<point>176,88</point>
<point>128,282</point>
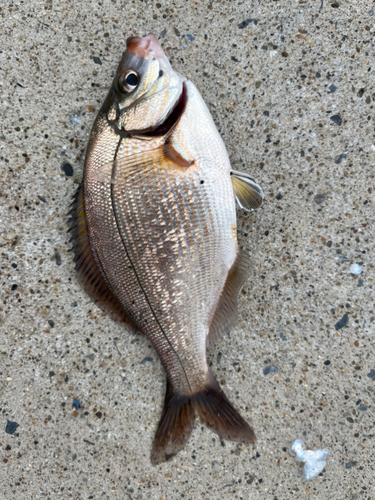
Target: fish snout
<point>144,47</point>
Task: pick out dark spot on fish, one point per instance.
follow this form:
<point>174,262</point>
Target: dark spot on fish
<point>161,73</point>
<point>67,169</point>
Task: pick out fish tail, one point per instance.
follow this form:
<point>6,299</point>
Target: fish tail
<point>175,426</point>
<point>177,420</point>
<point>217,412</point>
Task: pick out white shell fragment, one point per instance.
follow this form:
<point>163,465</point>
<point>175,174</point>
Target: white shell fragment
<point>355,269</point>
<point>314,460</point>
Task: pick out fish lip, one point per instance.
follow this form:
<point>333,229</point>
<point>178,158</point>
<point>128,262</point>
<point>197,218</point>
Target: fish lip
<point>168,125</point>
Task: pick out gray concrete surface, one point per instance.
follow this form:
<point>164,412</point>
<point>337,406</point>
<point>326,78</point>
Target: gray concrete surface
<point>292,93</point>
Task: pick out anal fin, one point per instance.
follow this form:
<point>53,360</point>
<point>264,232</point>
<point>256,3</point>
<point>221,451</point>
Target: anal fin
<point>87,269</point>
<point>248,194</point>
<point>226,310</point>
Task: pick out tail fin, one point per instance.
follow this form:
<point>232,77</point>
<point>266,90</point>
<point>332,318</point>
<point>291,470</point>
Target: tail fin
<point>217,412</point>
<point>178,416</point>
<point>174,428</point>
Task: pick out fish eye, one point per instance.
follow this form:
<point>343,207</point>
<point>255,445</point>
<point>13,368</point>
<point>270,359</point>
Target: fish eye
<point>128,81</point>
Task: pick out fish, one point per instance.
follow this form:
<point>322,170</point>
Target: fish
<point>154,234</point>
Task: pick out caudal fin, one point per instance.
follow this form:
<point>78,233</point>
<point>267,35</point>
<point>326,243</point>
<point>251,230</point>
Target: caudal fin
<point>175,426</point>
<point>217,412</point>
<point>178,416</point>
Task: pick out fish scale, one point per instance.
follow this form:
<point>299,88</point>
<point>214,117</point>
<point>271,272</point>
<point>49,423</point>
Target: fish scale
<point>158,235</point>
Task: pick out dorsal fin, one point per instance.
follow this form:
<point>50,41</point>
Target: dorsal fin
<point>226,310</point>
<point>88,271</point>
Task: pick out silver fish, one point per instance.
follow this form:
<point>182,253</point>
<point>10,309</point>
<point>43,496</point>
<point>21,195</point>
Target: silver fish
<point>155,236</point>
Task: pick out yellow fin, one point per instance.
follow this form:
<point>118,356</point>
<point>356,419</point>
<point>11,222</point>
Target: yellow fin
<point>248,194</point>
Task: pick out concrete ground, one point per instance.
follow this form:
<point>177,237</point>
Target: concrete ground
<point>290,85</point>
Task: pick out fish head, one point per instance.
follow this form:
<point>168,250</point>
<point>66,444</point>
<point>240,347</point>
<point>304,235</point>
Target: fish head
<point>145,89</point>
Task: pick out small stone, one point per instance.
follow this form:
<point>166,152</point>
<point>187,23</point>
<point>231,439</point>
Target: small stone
<point>146,360</point>
<point>371,375</point>
<point>319,198</point>
<point>342,322</point>
<point>99,414</point>
<point>163,33</point>
<point>279,196</point>
<point>336,119</point>
<point>67,169</point>
<point>42,198</point>
<point>176,31</point>
<point>11,427</point>
<point>190,37</point>
<point>341,157</point>
<point>76,404</point>
<point>332,89</point>
<point>97,60</point>
<point>282,336</point>
<point>362,407</point>
<point>14,287</point>
<point>246,22</point>
<point>284,54</point>
<point>91,357</point>
<point>351,464</point>
<point>270,369</point>
<point>359,283</point>
<point>327,362</point>
<point>51,323</point>
<point>58,258</point>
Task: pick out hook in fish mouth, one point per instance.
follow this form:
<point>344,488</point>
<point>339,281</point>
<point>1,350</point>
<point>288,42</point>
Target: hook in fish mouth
<point>169,123</point>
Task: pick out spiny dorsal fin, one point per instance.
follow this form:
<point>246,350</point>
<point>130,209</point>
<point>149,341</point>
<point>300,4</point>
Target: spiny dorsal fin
<point>226,309</point>
<point>88,271</point>
<point>248,193</point>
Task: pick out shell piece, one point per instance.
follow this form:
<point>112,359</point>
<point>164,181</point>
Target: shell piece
<point>314,460</point>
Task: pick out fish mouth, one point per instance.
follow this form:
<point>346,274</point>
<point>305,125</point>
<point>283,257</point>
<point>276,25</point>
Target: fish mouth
<point>166,127</point>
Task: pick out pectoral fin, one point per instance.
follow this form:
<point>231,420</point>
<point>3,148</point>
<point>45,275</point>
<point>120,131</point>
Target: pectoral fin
<point>249,195</point>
